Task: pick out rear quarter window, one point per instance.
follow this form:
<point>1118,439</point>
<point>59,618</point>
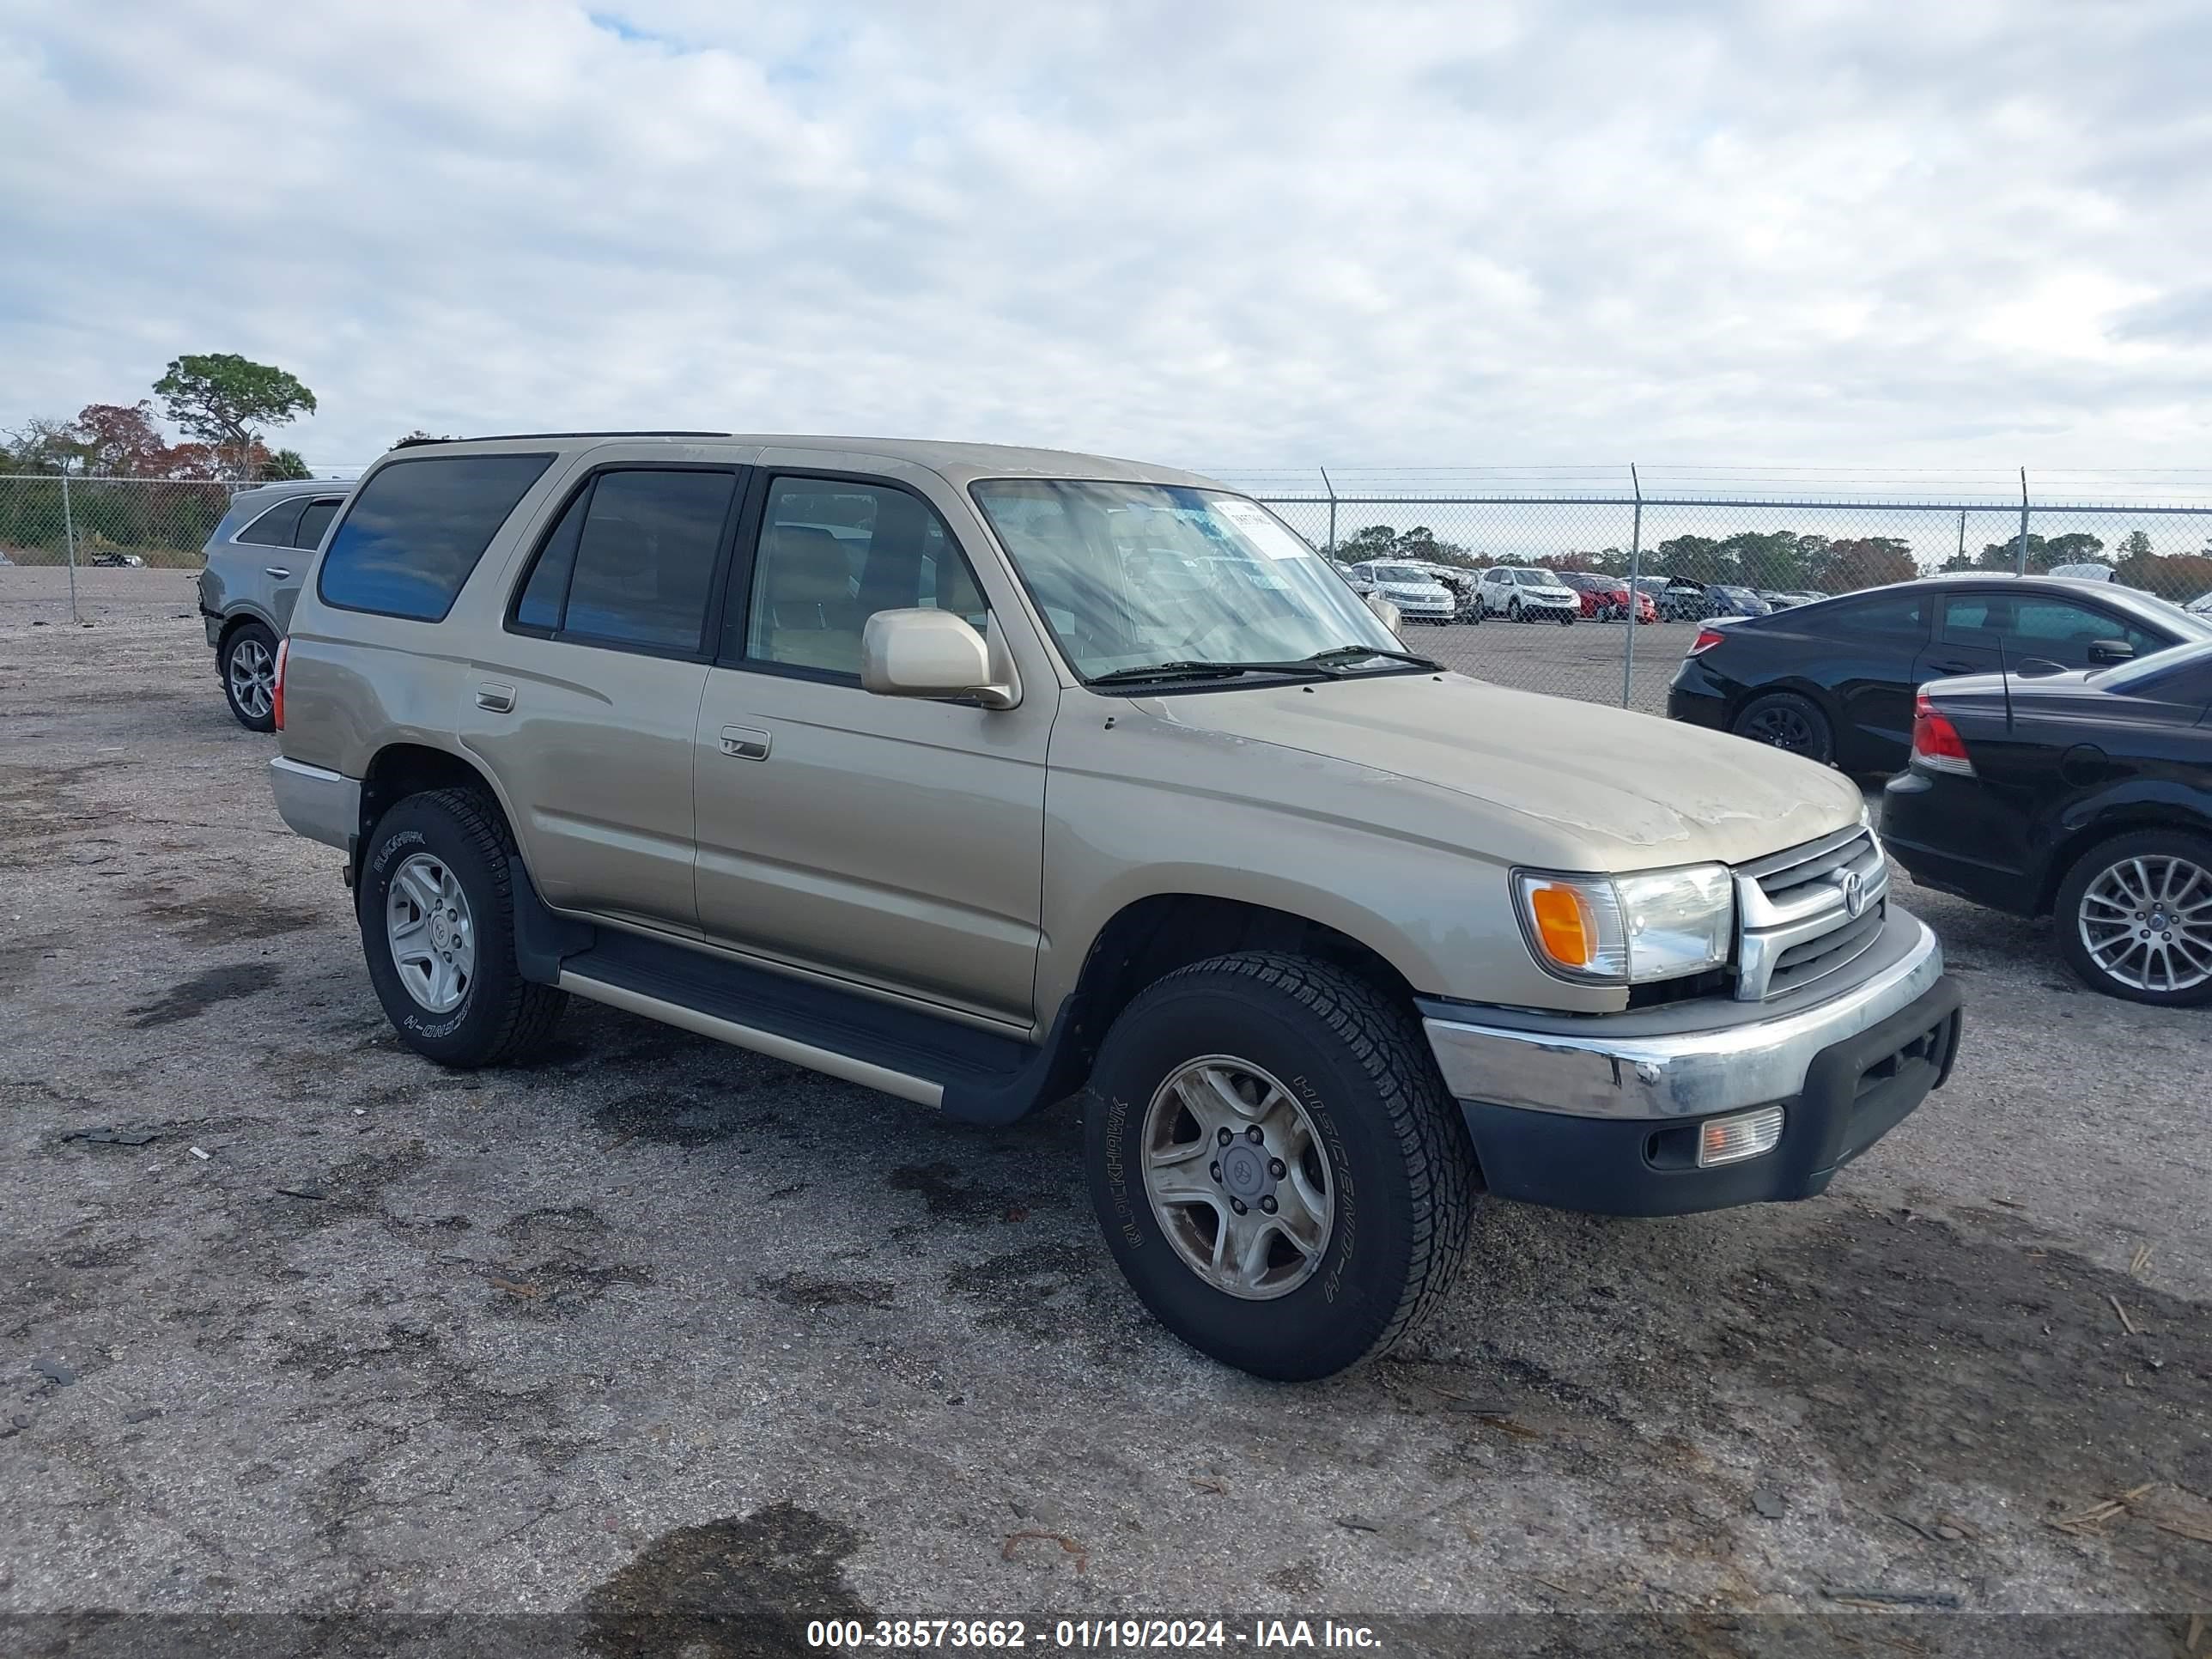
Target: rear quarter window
<point>415,529</point>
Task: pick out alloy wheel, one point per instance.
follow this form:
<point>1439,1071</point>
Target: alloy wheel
<point>1238,1178</point>
<point>431,932</point>
<point>252,677</point>
<point>2146,923</point>
<point>1782,725</point>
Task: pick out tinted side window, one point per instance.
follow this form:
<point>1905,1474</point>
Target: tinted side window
<point>2075,628</point>
<point>544,597</point>
<point>274,528</point>
<point>832,554</point>
<point>417,529</point>
<point>1893,616</point>
<point>645,558</point>
<point>312,522</point>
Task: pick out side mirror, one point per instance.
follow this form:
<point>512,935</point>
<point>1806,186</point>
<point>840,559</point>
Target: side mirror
<point>2111,651</point>
<point>931,654</point>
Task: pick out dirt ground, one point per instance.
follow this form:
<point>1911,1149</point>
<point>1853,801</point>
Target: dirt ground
<point>673,1340</point>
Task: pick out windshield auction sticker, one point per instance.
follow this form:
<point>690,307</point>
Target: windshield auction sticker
<point>1263,532</point>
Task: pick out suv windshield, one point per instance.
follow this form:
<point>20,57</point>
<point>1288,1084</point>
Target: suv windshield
<point>1128,575</point>
<point>1536,579</point>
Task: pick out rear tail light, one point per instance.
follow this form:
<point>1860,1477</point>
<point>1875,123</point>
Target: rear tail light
<point>1936,745</point>
<point>276,691</point>
<point>1706,639</point>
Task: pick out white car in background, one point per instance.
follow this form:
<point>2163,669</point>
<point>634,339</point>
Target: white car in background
<point>1523,593</point>
<point>1418,596</point>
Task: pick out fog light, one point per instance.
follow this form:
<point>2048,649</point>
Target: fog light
<point>1732,1140</point>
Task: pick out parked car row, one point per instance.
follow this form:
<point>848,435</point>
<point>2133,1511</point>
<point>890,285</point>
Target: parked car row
<point>2056,740</point>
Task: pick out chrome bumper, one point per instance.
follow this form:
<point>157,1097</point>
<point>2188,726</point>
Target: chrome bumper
<point>1540,1066</point>
<point>321,805</point>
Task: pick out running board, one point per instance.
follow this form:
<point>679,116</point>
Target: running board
<point>970,1074</point>
<point>921,1090</point>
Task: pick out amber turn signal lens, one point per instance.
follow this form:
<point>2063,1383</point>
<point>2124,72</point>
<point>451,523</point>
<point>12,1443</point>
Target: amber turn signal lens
<point>1564,924</point>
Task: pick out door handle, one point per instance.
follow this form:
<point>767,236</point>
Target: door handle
<point>275,570</point>
<point>744,743</point>
<point>499,699</point>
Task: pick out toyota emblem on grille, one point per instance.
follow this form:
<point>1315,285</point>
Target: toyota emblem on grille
<point>1854,886</point>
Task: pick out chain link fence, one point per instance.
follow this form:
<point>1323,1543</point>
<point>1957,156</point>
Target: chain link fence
<point>49,519</point>
<point>1699,545</point>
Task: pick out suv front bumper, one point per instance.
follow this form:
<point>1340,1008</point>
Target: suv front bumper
<point>1603,1113</point>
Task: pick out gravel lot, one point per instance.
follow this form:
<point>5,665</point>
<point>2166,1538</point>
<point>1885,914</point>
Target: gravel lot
<point>664,1333</point>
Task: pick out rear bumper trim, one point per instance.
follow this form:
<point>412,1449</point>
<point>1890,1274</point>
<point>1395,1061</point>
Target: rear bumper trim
<point>321,805</point>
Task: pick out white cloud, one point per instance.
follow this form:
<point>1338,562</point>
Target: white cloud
<point>1241,233</point>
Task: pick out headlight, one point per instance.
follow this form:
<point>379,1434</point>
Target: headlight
<point>1615,930</point>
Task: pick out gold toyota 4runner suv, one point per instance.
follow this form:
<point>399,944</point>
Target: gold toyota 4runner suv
<point>983,776</point>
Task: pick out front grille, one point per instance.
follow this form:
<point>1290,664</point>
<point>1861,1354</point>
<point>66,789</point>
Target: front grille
<point>1796,920</point>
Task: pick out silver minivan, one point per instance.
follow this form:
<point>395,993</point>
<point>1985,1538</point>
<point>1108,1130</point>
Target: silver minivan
<point>255,561</point>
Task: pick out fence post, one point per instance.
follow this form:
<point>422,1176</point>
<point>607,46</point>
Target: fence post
<point>2019,559</point>
<point>1330,486</point>
<point>68,537</point>
<point>1962,538</point>
<point>1635,603</point>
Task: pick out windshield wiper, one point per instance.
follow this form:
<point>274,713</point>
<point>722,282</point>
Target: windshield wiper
<point>1332,664</point>
<point>1337,654</point>
<point>1204,670</point>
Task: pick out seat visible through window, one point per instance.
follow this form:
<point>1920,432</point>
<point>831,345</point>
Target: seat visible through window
<point>871,548</point>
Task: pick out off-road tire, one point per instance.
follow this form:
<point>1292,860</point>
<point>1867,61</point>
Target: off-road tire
<point>503,1017</point>
<point>1403,1170</point>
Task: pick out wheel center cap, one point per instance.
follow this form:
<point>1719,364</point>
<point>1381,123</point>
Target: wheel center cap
<point>440,934</point>
<point>1244,1170</point>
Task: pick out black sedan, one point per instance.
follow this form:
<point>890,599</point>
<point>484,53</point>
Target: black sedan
<point>2084,797</point>
<point>1834,681</point>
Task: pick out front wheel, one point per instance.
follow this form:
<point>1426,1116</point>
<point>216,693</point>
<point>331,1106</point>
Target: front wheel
<point>1566,619</point>
<point>436,907</point>
<point>1275,1164</point>
<point>2134,917</point>
<point>1513,611</point>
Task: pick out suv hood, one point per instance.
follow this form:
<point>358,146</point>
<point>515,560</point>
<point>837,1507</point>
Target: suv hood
<point>1568,785</point>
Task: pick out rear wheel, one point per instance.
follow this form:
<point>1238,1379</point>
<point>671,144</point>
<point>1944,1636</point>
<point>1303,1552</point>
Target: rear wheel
<point>1789,721</point>
<point>248,662</point>
<point>436,908</point>
<point>2134,917</point>
<point>1249,1120</point>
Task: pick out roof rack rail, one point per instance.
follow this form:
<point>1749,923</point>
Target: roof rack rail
<point>517,437</point>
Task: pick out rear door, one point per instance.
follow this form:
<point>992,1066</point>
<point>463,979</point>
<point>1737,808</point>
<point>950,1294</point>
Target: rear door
<point>584,700</point>
<point>894,843</point>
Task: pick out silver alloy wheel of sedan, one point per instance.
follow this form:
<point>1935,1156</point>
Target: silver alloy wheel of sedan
<point>2146,923</point>
<point>432,935</point>
<point>252,677</point>
<point>1238,1180</point>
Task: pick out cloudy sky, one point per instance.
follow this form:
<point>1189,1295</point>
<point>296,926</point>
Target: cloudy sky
<point>1225,236</point>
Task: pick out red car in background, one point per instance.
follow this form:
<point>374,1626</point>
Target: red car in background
<point>1605,599</point>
